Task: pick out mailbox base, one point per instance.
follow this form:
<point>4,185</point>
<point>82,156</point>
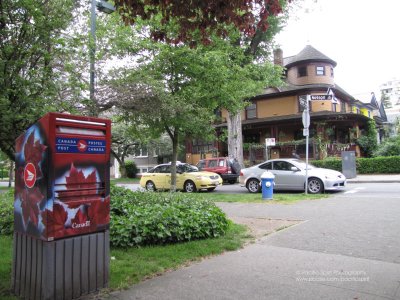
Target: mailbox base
<point>61,269</point>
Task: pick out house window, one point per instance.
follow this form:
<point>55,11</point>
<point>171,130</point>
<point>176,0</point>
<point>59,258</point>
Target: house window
<point>200,147</point>
<point>141,151</point>
<point>251,111</point>
<point>343,107</point>
<point>331,72</point>
<point>334,107</point>
<point>251,138</point>
<point>320,70</point>
<point>302,71</point>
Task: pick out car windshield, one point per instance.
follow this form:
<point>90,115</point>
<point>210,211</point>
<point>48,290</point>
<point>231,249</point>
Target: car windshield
<point>186,168</point>
<point>302,164</point>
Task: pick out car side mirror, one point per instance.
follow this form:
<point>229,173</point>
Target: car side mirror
<point>294,169</point>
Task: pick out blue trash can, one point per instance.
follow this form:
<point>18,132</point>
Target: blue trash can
<point>267,185</point>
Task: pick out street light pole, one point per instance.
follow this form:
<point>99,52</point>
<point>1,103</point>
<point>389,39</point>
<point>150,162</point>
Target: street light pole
<point>92,47</point>
<point>107,8</point>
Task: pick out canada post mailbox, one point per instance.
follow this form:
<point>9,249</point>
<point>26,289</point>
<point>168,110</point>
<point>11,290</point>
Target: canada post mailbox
<point>62,177</point>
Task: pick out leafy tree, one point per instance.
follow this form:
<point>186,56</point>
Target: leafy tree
<point>123,143</point>
<point>389,147</point>
<point>368,141</point>
<point>200,18</point>
<point>6,167</point>
<point>178,89</point>
<point>256,49</point>
<point>190,22</point>
<point>128,136</point>
<point>30,42</point>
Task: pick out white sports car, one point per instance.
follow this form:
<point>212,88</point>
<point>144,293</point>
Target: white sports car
<point>290,174</point>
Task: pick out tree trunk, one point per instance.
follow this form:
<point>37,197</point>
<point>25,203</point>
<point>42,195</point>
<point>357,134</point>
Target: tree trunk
<point>235,141</point>
<point>11,174</point>
<point>121,162</point>
<point>122,169</point>
<point>175,144</point>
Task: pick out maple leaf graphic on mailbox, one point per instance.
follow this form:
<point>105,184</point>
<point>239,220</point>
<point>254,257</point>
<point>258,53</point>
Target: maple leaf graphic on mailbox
<point>28,173</point>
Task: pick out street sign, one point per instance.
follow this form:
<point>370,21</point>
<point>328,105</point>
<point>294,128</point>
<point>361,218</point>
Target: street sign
<point>270,142</point>
<point>306,118</point>
<point>321,97</point>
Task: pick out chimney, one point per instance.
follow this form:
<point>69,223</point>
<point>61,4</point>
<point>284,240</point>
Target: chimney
<point>278,57</point>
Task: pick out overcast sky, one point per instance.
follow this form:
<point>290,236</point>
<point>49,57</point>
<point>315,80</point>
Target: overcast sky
<point>362,36</point>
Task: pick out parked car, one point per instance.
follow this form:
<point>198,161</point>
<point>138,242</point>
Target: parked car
<point>290,174</point>
<point>227,168</point>
<point>188,178</point>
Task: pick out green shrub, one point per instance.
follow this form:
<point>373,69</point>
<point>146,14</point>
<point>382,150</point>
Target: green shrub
<point>7,212</point>
<point>368,142</point>
<point>329,163</point>
<point>131,169</point>
<point>389,147</point>
<point>3,173</point>
<point>376,165</point>
<point>144,218</point>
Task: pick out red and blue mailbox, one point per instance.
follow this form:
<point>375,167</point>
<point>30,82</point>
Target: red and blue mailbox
<point>62,208</point>
<point>62,177</point>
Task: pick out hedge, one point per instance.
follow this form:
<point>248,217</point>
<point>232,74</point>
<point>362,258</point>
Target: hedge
<point>376,165</point>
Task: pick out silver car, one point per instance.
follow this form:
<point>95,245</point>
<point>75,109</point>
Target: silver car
<point>290,174</point>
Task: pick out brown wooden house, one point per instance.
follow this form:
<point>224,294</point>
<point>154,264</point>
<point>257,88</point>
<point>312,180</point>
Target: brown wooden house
<point>337,118</point>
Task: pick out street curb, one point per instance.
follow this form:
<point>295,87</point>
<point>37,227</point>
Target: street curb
<point>373,181</point>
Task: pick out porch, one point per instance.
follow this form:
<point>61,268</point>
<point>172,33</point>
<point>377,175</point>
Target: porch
<point>257,153</point>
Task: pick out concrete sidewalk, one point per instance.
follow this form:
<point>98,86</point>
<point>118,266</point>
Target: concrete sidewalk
<point>377,178</point>
<point>347,247</point>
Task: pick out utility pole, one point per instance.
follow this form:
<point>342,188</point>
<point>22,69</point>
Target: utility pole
<point>306,133</point>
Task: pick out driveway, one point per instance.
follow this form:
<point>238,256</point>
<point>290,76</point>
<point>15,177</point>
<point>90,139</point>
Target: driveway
<point>346,247</point>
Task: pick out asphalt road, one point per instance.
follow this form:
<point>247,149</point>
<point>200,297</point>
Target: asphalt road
<point>347,247</point>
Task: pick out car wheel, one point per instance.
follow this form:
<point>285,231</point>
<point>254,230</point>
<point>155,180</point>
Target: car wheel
<point>150,186</point>
<point>210,189</point>
<point>189,187</point>
<point>315,186</point>
<point>253,185</point>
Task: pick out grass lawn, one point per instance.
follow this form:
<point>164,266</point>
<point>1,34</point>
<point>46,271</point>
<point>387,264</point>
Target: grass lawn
<point>5,267</point>
<point>130,266</point>
<point>4,188</point>
<point>278,198</point>
<point>124,180</point>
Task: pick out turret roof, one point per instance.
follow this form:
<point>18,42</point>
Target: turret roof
<point>308,54</point>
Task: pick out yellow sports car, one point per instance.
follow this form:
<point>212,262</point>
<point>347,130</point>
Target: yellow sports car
<point>188,178</point>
